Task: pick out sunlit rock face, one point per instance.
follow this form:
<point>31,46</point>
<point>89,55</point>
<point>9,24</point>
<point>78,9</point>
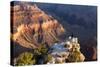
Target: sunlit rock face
<point>32,26</point>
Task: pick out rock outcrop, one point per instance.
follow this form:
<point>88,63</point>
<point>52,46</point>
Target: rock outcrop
<point>69,50</point>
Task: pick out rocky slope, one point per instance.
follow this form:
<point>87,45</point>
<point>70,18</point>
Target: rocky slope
<point>32,26</point>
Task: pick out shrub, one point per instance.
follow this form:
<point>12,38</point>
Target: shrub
<point>76,56</point>
<point>25,58</point>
